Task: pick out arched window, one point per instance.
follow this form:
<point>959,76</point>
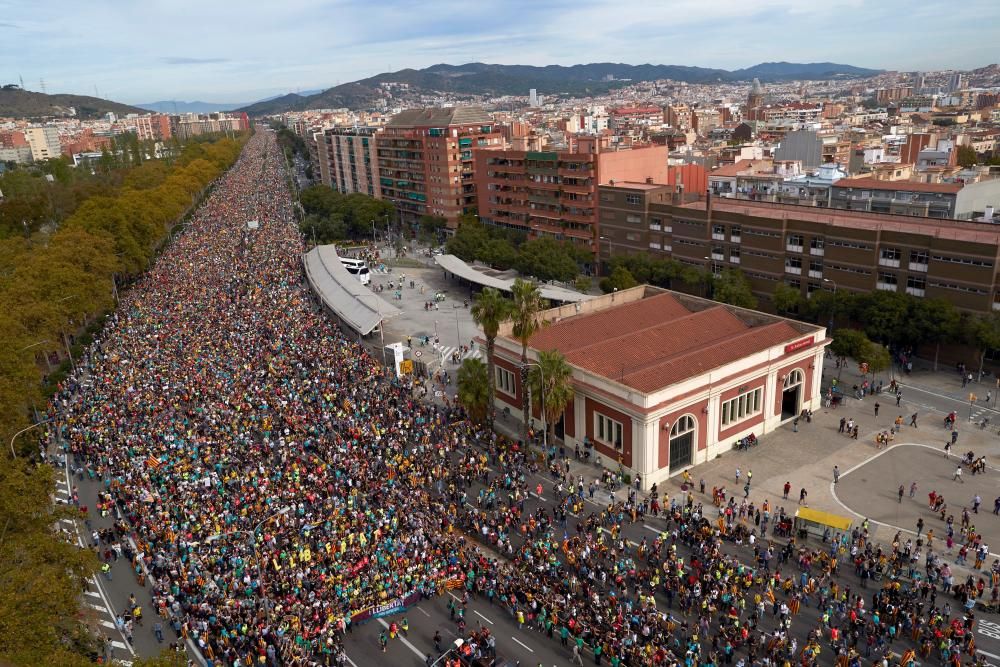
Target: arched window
<point>683,425</point>
<point>794,378</point>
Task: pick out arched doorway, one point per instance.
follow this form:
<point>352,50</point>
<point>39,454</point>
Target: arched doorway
<point>791,394</point>
<point>682,442</point>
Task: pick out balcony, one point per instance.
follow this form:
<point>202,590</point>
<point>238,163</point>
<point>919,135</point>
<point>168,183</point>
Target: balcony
<point>795,270</point>
<point>885,287</point>
<point>817,252</point>
<point>892,263</point>
<point>718,237</point>
<point>719,256</point>
<point>919,267</point>
<point>735,238</point>
<point>919,291</point>
<point>654,246</point>
<point>815,274</point>
<point>656,228</point>
<point>793,248</point>
<point>734,259</point>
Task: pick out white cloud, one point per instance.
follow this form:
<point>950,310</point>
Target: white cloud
<point>160,49</point>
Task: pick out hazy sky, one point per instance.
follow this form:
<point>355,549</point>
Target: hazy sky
<point>149,50</point>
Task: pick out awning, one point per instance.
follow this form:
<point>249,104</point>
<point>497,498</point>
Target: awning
<point>465,271</point>
<point>356,305</point>
<point>823,518</point>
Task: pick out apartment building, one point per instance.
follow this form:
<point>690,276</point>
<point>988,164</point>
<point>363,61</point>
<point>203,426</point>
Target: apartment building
<point>679,116</point>
<point>44,142</point>
<point>552,193</point>
<point>808,248</point>
<point>426,160</point>
<point>962,201</point>
<point>348,161</point>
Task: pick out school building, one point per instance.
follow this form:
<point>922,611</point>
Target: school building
<point>665,380</point>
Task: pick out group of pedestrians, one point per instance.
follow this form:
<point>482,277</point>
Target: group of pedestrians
<point>277,483</point>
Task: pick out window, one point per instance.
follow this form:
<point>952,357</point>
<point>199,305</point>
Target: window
<point>607,430</point>
<point>794,242</point>
<point>916,285</point>
<point>734,233</point>
<point>793,265</point>
<point>886,281</point>
<point>719,232</point>
<point>633,199</point>
<point>743,406</point>
<point>816,247</point>
<point>918,260</point>
<point>682,426</point>
<point>632,236</point>
<point>505,381</point>
<point>607,196</point>
<point>890,257</point>
<point>634,219</point>
<point>963,260</point>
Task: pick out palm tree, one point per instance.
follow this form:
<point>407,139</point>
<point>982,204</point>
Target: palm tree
<point>489,310</point>
<point>551,380</point>
<point>473,389</point>
<point>527,304</point>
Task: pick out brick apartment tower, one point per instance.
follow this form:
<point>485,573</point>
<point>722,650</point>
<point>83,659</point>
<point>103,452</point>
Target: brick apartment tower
<point>554,193</point>
<point>425,160</point>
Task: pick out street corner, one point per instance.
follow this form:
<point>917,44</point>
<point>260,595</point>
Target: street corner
<point>893,487</point>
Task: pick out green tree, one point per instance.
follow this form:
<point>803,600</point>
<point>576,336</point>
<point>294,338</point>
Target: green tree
<point>933,321</point>
<point>166,658</point>
<point>498,253</point>
<point>430,228</point>
<point>885,315</point>
<point>473,384</point>
<point>551,383</point>
<point>546,259</point>
<point>966,156</point>
<point>877,357</point>
<point>527,305</point>
<point>583,283</point>
<point>985,335</point>
<point>468,240</point>
<point>488,310</point>
<point>850,343</point>
<point>620,279</point>
<point>733,288</point>
<point>787,299</point>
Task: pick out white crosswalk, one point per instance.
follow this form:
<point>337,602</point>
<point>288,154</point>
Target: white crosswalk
<point>448,350</point>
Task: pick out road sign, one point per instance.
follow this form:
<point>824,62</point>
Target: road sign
<point>418,354</point>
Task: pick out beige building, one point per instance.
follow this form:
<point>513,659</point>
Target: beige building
<point>348,161</point>
<point>44,142</point>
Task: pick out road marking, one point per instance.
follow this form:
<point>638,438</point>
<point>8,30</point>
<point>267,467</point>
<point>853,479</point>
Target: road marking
<point>988,655</point>
<point>118,644</point>
<point>406,642</point>
<point>535,495</point>
<point>523,644</point>
<point>353,664</point>
<point>454,596</point>
<point>96,606</point>
<point>483,617</point>
<point>655,530</point>
<point>108,624</point>
<point>423,612</point>
<point>93,594</point>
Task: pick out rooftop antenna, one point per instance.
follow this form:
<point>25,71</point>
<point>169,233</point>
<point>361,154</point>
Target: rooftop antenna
<point>42,83</point>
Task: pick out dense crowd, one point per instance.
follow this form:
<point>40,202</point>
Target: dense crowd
<point>274,480</point>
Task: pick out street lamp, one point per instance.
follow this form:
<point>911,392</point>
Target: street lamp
<point>834,303</point>
<point>28,347</point>
<point>541,397</point>
<point>24,430</point>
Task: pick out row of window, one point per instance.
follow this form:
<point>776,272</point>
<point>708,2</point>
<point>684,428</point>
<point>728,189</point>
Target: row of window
<point>742,407</point>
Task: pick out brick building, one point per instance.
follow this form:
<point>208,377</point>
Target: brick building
<point>808,248</point>
<point>550,193</point>
<point>663,381</point>
<point>348,161</point>
<point>426,160</point>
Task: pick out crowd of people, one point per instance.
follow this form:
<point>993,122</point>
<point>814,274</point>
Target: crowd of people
<point>273,481</point>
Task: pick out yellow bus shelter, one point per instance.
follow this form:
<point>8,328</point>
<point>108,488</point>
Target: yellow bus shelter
<point>814,522</point>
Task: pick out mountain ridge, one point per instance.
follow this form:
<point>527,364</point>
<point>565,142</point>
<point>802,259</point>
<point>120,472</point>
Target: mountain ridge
<point>582,79</point>
<point>18,103</point>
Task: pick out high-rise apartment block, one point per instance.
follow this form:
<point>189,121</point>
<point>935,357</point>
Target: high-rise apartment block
<point>425,159</point>
<point>554,193</point>
<point>348,161</point>
<point>44,142</point>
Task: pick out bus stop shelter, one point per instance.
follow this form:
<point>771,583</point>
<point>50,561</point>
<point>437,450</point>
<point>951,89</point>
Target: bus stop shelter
<point>814,522</point>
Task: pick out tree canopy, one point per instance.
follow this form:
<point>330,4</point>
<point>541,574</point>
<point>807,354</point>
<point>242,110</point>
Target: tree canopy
<point>332,216</point>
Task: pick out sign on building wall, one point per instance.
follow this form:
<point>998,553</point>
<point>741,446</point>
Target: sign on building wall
<point>799,345</point>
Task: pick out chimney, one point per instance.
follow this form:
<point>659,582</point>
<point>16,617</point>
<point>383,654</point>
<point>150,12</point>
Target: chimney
<point>649,180</point>
<point>708,207</point>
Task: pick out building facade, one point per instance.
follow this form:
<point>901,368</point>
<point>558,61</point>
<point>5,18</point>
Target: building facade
<point>426,160</point>
<point>44,142</point>
<point>348,160</point>
<point>554,194</point>
<point>808,248</point>
<point>663,381</point>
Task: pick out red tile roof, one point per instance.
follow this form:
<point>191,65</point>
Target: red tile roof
<point>655,342</point>
<point>901,186</point>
